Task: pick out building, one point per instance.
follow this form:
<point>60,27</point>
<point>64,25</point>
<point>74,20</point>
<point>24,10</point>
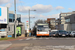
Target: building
<point>57,23</point>
<point>9,27</point>
<point>64,19</point>
<point>52,23</point>
<point>71,21</point>
<point>63,15</point>
<point>20,25</point>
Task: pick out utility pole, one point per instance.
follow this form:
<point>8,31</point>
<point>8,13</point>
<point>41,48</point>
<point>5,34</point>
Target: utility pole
<point>29,18</point>
<point>15,16</point>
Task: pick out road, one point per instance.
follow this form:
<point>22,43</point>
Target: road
<point>42,43</point>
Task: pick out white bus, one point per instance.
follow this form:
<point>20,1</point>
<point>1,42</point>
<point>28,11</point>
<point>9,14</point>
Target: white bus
<point>42,29</point>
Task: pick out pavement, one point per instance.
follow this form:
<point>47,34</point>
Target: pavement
<point>7,43</point>
<point>4,44</point>
<point>40,43</point>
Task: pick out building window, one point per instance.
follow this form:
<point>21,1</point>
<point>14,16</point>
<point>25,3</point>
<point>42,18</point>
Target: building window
<point>74,18</point>
<point>11,17</point>
<point>10,20</point>
<point>63,14</point>
<point>67,20</point>
<point>9,28</point>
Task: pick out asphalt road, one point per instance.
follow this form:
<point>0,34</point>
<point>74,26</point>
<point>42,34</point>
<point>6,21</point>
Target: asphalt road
<point>43,43</point>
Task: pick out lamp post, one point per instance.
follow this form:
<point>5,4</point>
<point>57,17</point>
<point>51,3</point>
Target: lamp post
<point>29,17</point>
<point>15,15</point>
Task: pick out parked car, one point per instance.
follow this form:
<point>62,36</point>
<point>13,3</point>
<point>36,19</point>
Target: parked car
<point>54,34</point>
<point>69,33</point>
<point>72,33</point>
<point>62,33</point>
<point>54,30</point>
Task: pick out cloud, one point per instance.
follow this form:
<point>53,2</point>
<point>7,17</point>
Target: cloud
<point>23,9</point>
<point>19,1</point>
<point>26,16</point>
<point>8,5</point>
<point>59,7</point>
<point>39,8</point>
<point>11,2</point>
<point>41,16</point>
<point>70,9</point>
<point>42,8</point>
<point>50,16</point>
<point>4,1</point>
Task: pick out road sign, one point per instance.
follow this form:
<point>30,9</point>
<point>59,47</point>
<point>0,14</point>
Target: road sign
<point>3,15</point>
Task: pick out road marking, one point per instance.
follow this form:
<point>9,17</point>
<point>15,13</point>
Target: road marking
<point>28,38</point>
<point>46,38</point>
<point>56,49</point>
<point>34,38</point>
<point>53,38</point>
<point>73,38</point>
<point>61,38</point>
<point>60,47</point>
<point>40,38</point>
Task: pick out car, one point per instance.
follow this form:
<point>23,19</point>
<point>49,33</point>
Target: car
<point>62,33</point>
<point>53,34</point>
<point>72,34</point>
<point>69,33</point>
<point>54,30</point>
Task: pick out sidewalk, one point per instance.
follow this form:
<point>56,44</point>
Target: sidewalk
<point>18,38</point>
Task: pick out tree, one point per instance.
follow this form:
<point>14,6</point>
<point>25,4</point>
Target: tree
<point>40,21</point>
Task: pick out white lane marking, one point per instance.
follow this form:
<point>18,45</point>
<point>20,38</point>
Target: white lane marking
<point>34,38</point>
<point>28,38</point>
<point>73,38</point>
<point>66,38</point>
<point>56,49</point>
<point>60,47</point>
<point>53,38</point>
<point>46,38</point>
<point>60,38</point>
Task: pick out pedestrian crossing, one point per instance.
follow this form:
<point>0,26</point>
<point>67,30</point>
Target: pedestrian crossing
<point>49,47</point>
<point>48,38</point>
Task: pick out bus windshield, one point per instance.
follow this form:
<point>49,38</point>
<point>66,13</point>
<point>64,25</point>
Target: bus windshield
<point>43,28</point>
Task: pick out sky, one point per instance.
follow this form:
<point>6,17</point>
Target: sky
<point>44,8</point>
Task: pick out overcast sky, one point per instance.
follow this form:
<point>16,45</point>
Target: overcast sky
<point>44,8</point>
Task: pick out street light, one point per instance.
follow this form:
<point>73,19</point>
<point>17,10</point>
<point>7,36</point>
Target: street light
<point>29,17</point>
<point>15,16</point>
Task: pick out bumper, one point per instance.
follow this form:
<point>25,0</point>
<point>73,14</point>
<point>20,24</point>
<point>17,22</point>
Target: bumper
<point>42,34</point>
<point>63,35</point>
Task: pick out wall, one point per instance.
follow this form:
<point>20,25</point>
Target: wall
<point>73,27</point>
<point>10,28</point>
<point>66,27</point>
<point>23,28</point>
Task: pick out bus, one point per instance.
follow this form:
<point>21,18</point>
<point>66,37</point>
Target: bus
<point>42,29</point>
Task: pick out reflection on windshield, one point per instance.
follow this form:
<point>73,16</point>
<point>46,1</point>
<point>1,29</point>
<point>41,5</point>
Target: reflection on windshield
<point>43,28</point>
